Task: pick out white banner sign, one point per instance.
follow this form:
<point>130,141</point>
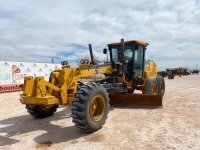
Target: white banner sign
<point>14,72</point>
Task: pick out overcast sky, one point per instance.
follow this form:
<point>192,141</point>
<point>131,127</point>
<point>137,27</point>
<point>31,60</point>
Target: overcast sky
<point>36,30</point>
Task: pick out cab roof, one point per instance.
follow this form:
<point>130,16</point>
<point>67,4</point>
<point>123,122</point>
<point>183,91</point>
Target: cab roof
<point>142,43</point>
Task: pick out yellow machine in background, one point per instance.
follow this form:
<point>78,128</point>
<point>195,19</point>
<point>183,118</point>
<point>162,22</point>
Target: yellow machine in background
<point>125,73</point>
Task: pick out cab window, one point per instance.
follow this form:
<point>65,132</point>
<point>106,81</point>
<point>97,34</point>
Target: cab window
<point>115,54</point>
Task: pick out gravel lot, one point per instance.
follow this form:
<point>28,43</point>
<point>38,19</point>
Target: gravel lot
<point>175,126</point>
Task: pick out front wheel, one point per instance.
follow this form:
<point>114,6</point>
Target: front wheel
<point>41,111</point>
<point>151,86</point>
<point>90,107</point>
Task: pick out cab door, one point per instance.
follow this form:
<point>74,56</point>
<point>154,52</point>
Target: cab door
<point>138,65</point>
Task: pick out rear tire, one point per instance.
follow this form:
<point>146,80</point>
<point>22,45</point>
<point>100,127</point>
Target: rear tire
<point>41,111</point>
<point>161,85</point>
<point>151,86</point>
<point>90,107</point>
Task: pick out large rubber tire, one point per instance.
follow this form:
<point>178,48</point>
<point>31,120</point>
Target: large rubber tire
<point>151,86</point>
<point>90,107</point>
<point>41,111</point>
<point>161,85</point>
<point>170,75</point>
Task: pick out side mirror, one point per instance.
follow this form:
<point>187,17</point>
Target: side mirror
<point>104,50</point>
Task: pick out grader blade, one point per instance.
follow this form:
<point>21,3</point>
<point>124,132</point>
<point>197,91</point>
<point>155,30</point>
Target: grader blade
<point>135,100</point>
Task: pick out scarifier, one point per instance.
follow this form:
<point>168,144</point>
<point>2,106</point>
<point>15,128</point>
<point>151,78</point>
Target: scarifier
<point>125,73</point>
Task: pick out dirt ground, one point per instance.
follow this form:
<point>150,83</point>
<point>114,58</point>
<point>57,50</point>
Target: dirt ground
<point>175,126</point>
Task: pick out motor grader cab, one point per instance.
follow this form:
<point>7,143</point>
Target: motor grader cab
<point>131,72</point>
<point>131,57</point>
<point>125,73</point>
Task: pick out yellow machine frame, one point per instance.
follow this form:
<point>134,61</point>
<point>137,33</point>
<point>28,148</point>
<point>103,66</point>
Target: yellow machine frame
<point>89,110</point>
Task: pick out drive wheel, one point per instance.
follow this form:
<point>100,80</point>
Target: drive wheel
<point>151,86</point>
<point>41,111</point>
<point>161,85</point>
<point>90,107</point>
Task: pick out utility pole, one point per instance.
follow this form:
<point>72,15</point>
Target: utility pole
<point>52,60</point>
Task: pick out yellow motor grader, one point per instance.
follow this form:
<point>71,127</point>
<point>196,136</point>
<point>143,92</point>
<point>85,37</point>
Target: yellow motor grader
<point>125,73</point>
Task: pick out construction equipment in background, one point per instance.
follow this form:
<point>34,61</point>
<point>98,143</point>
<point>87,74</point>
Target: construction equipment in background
<point>125,73</point>
<point>185,71</point>
<point>172,72</point>
<point>195,71</point>
<point>163,73</point>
